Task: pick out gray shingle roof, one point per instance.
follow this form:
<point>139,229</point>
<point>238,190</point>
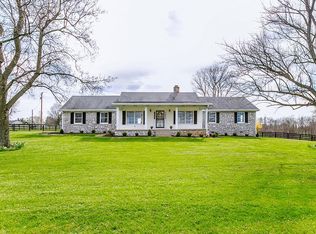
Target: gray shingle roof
<point>108,102</point>
<point>90,102</point>
<point>229,103</point>
<point>158,97</point>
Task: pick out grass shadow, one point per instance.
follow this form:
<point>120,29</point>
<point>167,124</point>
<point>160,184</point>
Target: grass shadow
<point>140,139</point>
<point>27,135</point>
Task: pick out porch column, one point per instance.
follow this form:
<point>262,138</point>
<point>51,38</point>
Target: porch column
<point>146,117</point>
<point>177,121</point>
<point>206,121</point>
<point>117,117</point>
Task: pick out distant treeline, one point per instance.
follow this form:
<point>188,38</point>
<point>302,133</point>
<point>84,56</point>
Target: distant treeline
<point>302,125</point>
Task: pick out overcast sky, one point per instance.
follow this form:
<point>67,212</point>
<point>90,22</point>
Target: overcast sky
<point>153,45</point>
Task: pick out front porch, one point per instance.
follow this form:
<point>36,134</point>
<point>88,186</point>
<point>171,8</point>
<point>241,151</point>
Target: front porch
<point>161,119</point>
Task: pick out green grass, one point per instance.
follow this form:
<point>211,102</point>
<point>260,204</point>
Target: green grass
<point>83,183</point>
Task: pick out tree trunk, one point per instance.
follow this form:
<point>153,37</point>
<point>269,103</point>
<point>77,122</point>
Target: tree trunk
<point>4,128</point>
<point>4,117</point>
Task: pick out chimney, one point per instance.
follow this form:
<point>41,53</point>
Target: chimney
<point>176,89</point>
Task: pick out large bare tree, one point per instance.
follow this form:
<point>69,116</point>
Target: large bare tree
<point>216,80</point>
<point>41,44</point>
<point>278,65</point>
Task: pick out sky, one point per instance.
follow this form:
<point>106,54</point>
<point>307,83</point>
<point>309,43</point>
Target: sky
<point>153,45</point>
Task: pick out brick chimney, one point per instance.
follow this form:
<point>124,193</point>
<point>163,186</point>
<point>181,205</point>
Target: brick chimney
<point>176,89</point>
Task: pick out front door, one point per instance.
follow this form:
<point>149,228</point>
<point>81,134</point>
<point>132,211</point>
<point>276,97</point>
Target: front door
<point>160,119</point>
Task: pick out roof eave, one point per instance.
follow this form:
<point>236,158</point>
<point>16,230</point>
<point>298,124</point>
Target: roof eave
<point>161,103</point>
<point>85,109</point>
<point>234,110</point>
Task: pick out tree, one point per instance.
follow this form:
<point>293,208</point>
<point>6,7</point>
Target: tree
<point>278,65</point>
<point>54,115</point>
<point>214,81</point>
<point>41,45</point>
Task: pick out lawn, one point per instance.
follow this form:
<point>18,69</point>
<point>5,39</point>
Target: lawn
<point>83,183</point>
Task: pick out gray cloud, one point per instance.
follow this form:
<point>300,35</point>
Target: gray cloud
<point>131,74</point>
<point>174,24</point>
<point>129,80</point>
<point>134,87</point>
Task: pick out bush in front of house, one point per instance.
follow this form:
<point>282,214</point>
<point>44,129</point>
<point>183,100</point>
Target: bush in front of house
<point>136,134</point>
<point>201,135</point>
<point>257,135</point>
<point>234,134</point>
<point>61,131</point>
<point>149,133</point>
<point>246,135</point>
<point>189,134</point>
<point>93,131</point>
<point>178,134</point>
<point>226,134</point>
<point>81,132</point>
<point>214,134</point>
<point>124,134</point>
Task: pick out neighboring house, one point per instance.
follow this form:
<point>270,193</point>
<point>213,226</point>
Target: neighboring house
<point>166,113</point>
<point>16,122</point>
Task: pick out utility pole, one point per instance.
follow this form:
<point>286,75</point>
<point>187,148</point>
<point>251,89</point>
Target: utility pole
<point>41,108</point>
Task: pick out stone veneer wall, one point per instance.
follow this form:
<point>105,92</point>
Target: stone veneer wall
<point>91,124</point>
<point>227,125</point>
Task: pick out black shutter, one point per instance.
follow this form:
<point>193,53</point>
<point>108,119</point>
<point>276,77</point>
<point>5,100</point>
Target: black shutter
<point>110,117</point>
<point>84,118</point>
<point>72,117</point>
<point>235,117</point>
<point>144,117</point>
<point>218,117</point>
<point>174,117</point>
<point>98,117</point>
<point>123,117</point>
<point>246,117</point>
<point>195,117</point>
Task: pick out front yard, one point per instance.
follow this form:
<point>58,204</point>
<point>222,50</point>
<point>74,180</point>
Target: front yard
<point>83,183</point>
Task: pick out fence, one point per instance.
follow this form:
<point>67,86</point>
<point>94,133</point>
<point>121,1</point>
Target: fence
<point>296,136</point>
<point>30,127</point>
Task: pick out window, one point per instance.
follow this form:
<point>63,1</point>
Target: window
<point>240,117</point>
<point>78,117</point>
<point>104,117</point>
<point>134,117</point>
<point>212,117</point>
<point>185,117</point>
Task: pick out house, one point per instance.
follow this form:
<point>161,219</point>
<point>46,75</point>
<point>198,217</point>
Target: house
<point>165,113</point>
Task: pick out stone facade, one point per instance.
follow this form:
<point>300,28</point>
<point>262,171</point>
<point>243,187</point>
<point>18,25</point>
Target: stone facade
<point>91,124</point>
<point>228,126</point>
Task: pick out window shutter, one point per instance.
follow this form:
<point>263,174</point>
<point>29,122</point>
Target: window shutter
<point>84,117</point>
<point>110,117</point>
<point>72,117</point>
<point>218,117</point>
<point>123,117</point>
<point>246,117</point>
<point>174,117</point>
<point>144,118</point>
<point>195,117</point>
<point>98,117</point>
<point>235,117</point>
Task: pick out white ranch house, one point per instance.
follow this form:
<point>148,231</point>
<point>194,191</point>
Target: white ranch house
<point>165,113</point>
